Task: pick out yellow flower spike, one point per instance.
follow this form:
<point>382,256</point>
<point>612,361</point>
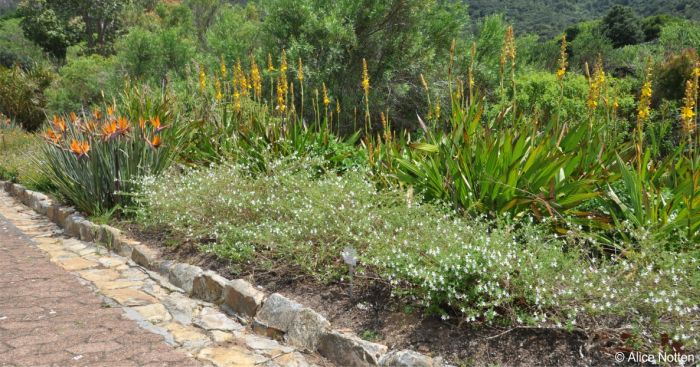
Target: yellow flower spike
<point>687,112</point>
<point>217,87</point>
<point>326,100</point>
<point>280,96</point>
<point>646,90</point>
<point>236,98</point>
<point>423,82</point>
<point>563,62</point>
<point>595,82</point>
<point>337,106</point>
<point>365,77</point>
<point>283,62</point>
<point>510,44</point>
<point>222,68</point>
<point>240,78</point>
<point>270,65</point>
<point>300,71</point>
<point>202,80</point>
<point>256,78</point>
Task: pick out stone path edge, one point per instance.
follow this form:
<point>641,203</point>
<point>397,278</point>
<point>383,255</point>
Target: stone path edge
<point>272,315</point>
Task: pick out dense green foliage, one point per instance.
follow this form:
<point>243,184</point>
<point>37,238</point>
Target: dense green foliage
<point>56,25</point>
<point>22,95</point>
<point>528,16</point>
<point>468,268</point>
<point>18,150</point>
<point>486,174</point>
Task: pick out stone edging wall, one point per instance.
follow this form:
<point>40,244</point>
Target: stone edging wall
<point>271,314</point>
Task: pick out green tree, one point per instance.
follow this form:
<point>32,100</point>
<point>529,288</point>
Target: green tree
<point>150,55</point>
<point>235,32</point>
<point>398,38</point>
<point>622,26</point>
<point>45,23</point>
<point>57,24</point>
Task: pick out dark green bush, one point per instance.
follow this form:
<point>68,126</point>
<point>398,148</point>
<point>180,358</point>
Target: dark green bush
<point>22,94</point>
<point>81,83</point>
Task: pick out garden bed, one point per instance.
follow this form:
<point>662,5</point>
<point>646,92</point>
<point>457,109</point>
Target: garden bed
<point>372,314</point>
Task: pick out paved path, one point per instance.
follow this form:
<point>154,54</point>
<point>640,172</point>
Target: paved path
<point>65,302</point>
<point>48,318</point>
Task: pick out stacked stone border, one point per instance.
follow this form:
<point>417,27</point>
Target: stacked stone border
<point>272,315</point>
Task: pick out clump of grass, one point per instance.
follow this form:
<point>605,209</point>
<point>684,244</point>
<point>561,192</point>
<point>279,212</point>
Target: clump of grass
<point>471,269</point>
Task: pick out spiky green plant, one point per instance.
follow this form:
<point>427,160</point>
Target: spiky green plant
<point>94,160</point>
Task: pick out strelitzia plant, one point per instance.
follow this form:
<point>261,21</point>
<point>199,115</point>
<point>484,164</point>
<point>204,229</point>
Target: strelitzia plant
<point>94,159</point>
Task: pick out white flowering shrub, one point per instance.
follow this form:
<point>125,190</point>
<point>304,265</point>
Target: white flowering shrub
<point>471,269</point>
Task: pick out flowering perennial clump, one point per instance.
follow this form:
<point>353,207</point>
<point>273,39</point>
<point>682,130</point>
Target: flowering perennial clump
<point>93,159</point>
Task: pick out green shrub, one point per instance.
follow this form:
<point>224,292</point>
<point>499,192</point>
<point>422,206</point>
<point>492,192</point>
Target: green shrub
<point>81,83</point>
<point>15,49</point>
<point>150,55</point>
<point>20,157</point>
<point>22,95</point>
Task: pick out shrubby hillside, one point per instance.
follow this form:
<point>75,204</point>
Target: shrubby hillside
<point>548,18</point>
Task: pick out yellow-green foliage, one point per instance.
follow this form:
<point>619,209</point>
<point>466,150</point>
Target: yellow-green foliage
<point>18,156</point>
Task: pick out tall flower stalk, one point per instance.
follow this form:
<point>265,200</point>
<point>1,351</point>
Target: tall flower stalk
<point>643,112</point>
<point>365,88</point>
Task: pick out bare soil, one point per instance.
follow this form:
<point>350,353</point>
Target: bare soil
<point>373,315</point>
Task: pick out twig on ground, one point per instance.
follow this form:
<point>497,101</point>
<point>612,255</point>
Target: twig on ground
<point>275,357</point>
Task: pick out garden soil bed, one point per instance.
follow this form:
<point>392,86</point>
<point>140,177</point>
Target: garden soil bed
<point>372,314</point>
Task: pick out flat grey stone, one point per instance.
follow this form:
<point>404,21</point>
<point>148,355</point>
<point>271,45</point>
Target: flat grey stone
<point>209,286</point>
<point>107,235</point>
<point>61,215</point>
<point>349,350</point>
<point>182,275</point>
<point>180,307</point>
<point>265,344</point>
<point>306,329</point>
<point>134,315</point>
<point>241,297</point>
<point>71,224</point>
<point>141,254</point>
<point>211,319</point>
<point>278,312</point>
<point>88,230</point>
<point>302,326</point>
<point>405,358</point>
